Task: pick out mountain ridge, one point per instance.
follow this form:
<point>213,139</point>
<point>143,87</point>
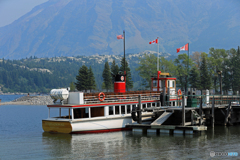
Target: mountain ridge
<point>72,27</point>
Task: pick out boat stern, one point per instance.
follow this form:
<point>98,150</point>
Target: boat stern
<point>56,126</point>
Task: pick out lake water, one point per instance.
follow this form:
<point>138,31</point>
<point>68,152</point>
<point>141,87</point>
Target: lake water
<point>22,137</point>
<point>8,98</point>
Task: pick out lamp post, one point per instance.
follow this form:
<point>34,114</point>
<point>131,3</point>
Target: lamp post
<point>220,73</point>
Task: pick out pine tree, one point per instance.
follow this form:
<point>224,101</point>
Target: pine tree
<point>194,78</point>
<point>107,78</point>
<point>91,79</point>
<point>204,73</point>
<point>82,79</point>
<point>114,70</point>
<point>129,82</point>
<point>72,86</point>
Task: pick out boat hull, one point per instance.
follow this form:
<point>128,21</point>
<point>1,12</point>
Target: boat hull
<point>56,126</point>
<point>87,126</point>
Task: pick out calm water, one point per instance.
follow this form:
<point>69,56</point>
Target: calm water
<point>22,137</point>
<point>8,98</point>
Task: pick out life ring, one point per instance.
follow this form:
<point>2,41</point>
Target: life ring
<point>179,92</point>
<point>99,96</point>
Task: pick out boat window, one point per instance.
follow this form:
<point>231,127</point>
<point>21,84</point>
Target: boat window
<point>158,104</point>
<point>116,109</point>
<point>86,113</point>
<point>144,105</point>
<point>97,111</point>
<point>174,103</point>
<point>173,84</point>
<point>110,110</point>
<point>55,112</point>
<point>80,113</point>
<point>128,108</point>
<point>149,105</point>
<point>154,83</point>
<point>122,109</point>
<point>153,104</point>
<point>134,106</point>
<point>61,113</point>
<point>168,84</point>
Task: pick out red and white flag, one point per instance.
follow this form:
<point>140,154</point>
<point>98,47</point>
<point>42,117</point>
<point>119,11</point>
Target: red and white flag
<point>184,48</point>
<point>155,41</point>
<point>120,36</point>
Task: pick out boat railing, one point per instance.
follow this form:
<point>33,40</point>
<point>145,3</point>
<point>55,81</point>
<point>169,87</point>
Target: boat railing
<point>121,98</point>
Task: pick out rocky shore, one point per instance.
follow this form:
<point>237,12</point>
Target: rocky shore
<point>30,100</point>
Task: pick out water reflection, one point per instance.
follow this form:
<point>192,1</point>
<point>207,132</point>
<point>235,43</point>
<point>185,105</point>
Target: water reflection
<point>132,145</point>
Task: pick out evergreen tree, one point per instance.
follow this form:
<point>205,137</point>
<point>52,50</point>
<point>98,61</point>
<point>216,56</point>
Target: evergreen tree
<point>107,78</point>
<point>129,82</point>
<point>194,77</point>
<point>72,86</point>
<point>181,64</point>
<point>82,79</point>
<point>91,79</point>
<point>204,73</point>
<point>236,71</point>
<point>114,70</point>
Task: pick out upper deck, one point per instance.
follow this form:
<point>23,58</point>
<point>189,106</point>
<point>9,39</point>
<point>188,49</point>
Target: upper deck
<point>95,100</point>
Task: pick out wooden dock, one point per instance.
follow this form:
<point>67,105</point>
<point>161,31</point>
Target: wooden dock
<point>189,120</point>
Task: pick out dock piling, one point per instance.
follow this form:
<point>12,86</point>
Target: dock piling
<point>213,114</point>
<point>200,112</point>
<point>183,110</point>
<point>139,109</point>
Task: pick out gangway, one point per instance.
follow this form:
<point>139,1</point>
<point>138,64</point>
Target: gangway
<point>161,119</point>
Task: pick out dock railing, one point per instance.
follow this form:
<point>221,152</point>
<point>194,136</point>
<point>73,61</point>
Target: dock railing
<point>195,100</point>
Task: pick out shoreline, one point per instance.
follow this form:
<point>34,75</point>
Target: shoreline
<point>30,100</point>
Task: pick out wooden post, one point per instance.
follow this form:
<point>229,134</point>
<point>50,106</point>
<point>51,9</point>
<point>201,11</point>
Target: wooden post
<point>192,118</point>
<point>183,110</point>
<point>164,95</point>
<point>213,108</point>
<point>139,109</point>
<point>168,96</point>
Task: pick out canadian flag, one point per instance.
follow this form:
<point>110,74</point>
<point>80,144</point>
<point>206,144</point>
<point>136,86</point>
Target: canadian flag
<point>184,48</point>
<point>155,41</point>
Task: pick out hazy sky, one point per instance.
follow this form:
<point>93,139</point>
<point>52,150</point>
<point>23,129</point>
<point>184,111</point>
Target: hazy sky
<point>10,10</point>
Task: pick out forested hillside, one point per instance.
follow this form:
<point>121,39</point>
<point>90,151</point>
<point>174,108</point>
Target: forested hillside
<point>42,74</point>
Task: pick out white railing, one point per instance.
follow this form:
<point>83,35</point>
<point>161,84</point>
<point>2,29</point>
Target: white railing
<point>122,98</point>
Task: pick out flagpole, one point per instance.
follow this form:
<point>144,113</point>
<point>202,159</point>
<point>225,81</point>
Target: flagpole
<point>187,70</point>
<point>158,56</point>
<point>124,49</point>
<point>125,74</point>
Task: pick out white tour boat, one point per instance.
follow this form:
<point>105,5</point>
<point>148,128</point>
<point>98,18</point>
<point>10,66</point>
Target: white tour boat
<point>77,112</point>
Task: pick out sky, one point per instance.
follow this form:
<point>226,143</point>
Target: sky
<point>11,10</point>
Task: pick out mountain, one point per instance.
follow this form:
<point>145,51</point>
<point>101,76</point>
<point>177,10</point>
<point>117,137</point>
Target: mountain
<point>90,27</point>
